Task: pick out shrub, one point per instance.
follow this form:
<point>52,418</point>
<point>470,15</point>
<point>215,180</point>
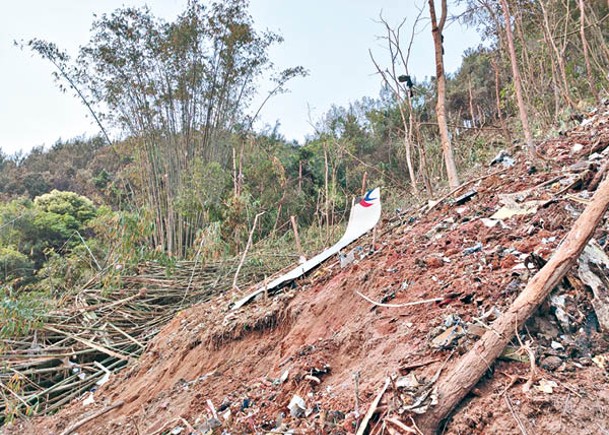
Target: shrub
<point>14,266</point>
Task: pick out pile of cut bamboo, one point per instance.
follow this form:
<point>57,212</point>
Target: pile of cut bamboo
<point>99,330</point>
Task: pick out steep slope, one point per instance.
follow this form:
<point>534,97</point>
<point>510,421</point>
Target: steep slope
<point>325,343</point>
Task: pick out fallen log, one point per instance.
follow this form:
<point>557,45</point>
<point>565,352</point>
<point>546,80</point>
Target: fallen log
<point>456,383</point>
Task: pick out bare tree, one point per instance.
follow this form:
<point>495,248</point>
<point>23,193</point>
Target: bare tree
<point>524,119</point>
<point>403,96</point>
<point>582,35</point>
<point>447,148</point>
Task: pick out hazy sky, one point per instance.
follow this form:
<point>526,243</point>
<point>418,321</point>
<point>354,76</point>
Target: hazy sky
<point>330,38</point>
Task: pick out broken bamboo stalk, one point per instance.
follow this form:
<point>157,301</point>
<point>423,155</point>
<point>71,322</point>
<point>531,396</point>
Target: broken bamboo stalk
<point>364,180</point>
<point>247,247</point>
<point>89,343</point>
<point>457,382</point>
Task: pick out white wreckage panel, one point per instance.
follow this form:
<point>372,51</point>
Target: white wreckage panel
<point>364,216</point>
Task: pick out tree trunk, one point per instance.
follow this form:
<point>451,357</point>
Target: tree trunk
<point>582,35</point>
<point>559,57</point>
<point>524,118</point>
<point>453,387</point>
<point>502,121</point>
<point>471,103</point>
<point>447,149</point>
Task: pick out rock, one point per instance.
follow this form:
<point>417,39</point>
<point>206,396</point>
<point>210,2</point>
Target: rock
<point>508,261</point>
<point>434,262</point>
<point>209,425</point>
<point>545,327</point>
<point>551,363</point>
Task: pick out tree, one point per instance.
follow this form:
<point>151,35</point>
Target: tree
<point>584,41</point>
<point>524,117</point>
<point>178,91</point>
<point>436,30</point>
<point>403,94</point>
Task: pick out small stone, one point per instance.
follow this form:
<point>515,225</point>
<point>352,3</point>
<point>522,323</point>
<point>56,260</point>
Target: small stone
<point>551,363</point>
<point>209,425</point>
<point>434,262</point>
<point>544,327</point>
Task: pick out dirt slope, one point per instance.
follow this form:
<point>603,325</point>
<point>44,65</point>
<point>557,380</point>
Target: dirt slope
<point>328,345</point>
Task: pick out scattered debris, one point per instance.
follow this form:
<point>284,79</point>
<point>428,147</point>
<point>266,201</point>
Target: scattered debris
<point>551,363</point>
<point>453,329</point>
<point>546,386</point>
<point>297,407</point>
<point>594,273</point>
<point>514,209</point>
<point>504,158</point>
<point>465,197</point>
<point>602,361</point>
<point>259,357</point>
<point>476,248</point>
<point>371,410</point>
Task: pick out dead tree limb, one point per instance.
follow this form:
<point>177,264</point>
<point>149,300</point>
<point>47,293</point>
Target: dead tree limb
<point>456,383</point>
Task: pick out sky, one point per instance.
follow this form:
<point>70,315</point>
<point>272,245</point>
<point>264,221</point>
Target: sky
<point>330,38</point>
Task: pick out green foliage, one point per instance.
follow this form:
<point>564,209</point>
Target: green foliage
<point>14,265</point>
<point>67,204</point>
<point>18,315</point>
<point>39,230</point>
<point>205,187</point>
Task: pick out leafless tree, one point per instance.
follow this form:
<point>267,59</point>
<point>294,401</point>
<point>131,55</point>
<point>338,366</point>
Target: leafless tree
<point>437,28</point>
<point>524,118</point>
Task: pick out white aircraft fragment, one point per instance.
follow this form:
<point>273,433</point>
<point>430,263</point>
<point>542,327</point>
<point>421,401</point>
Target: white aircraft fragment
<point>364,216</point>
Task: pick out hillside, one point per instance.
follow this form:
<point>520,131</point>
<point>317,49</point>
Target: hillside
<point>323,341</point>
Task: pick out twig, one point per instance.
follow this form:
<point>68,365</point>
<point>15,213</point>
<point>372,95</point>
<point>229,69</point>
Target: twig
<point>372,409</point>
<point>212,408</point>
<point>533,375</point>
<point>356,379</point>
<point>93,416</point>
<point>194,268</point>
<point>89,251</point>
<point>394,421</point>
<point>419,364</point>
<point>408,304</point>
<point>518,421</point>
<point>130,338</point>
<point>297,238</point>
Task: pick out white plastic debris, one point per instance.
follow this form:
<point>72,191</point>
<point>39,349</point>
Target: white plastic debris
<point>106,376</point>
<point>409,381</point>
<point>347,259</point>
<point>297,406</point>
<point>504,158</point>
<point>577,148</point>
<point>89,400</point>
<point>284,376</point>
<point>546,386</point>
